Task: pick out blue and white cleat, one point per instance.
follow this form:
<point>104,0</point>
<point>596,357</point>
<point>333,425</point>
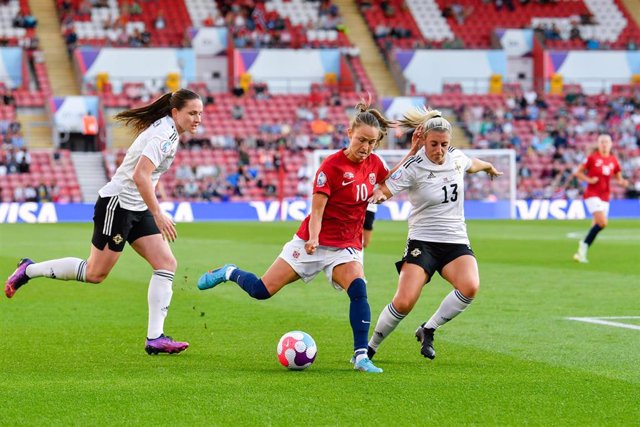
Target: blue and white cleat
<point>214,277</point>
<point>366,365</point>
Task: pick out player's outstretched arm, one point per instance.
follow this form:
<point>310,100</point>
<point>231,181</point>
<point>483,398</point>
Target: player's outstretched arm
<point>621,180</point>
<point>380,194</point>
<point>478,165</point>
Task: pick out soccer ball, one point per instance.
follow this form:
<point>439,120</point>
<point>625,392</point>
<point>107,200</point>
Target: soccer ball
<point>297,350</point>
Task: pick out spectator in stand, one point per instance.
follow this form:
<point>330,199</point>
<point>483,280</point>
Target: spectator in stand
<point>30,194</point>
<point>3,165</point>
<point>185,172</point>
<point>43,193</point>
<point>237,112</point>
<point>574,33</point>
<point>18,193</point>
<point>7,97</point>
<point>23,159</point>
<point>70,39</point>
<point>159,22</point>
<point>304,187</point>
<point>54,191</point>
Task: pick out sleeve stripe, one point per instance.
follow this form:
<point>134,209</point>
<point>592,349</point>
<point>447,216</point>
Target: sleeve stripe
<point>411,160</point>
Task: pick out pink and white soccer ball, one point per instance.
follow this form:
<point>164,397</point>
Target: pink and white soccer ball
<point>297,350</point>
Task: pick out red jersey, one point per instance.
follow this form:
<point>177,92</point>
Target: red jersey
<point>348,185</point>
<point>604,168</point>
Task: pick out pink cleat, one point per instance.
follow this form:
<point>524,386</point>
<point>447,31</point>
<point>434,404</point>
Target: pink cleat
<point>164,344</point>
<point>18,278</point>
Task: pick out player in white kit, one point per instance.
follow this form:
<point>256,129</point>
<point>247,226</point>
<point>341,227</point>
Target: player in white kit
<point>127,210</point>
<point>434,181</point>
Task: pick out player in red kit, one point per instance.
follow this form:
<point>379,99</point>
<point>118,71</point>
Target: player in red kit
<point>329,239</point>
<point>597,171</point>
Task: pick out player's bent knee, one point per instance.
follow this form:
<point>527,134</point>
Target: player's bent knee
<point>357,290</point>
<point>469,289</point>
<point>95,277</point>
<point>403,306</point>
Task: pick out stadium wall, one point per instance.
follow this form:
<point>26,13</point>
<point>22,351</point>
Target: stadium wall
<point>296,210</point>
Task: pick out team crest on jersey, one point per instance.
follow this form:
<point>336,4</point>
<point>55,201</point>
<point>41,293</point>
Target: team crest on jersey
<point>372,178</point>
<point>322,179</point>
<point>117,239</point>
<point>457,166</point>
<point>295,254</point>
<point>416,253</point>
<point>397,174</point>
<point>348,175</point>
<point>165,146</point>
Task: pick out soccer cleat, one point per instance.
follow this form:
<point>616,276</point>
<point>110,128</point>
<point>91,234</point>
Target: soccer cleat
<point>214,277</point>
<point>581,255</point>
<point>18,278</point>
<point>366,365</point>
<point>425,336</point>
<point>164,344</point>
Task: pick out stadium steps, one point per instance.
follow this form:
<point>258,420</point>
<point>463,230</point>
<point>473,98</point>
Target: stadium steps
<point>36,128</point>
<point>61,73</point>
<point>360,36</point>
<point>458,137</point>
<point>633,7</point>
<point>89,167</point>
<point>119,136</point>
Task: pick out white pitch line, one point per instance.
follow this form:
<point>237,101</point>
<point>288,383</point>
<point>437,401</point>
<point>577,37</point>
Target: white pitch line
<point>599,321</point>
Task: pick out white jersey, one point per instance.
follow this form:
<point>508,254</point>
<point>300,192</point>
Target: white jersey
<point>436,193</point>
<point>159,143</point>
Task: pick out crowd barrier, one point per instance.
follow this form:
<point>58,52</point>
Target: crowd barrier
<point>296,210</point>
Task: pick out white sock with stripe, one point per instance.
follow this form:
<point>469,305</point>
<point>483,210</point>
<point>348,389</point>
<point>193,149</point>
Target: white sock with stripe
<point>159,298</point>
<point>61,269</point>
<point>452,305</point>
<point>388,320</point>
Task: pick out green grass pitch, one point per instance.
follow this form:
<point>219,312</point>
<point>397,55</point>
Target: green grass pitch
<point>73,353</point>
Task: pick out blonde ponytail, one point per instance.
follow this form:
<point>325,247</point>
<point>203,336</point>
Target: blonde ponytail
<point>425,118</point>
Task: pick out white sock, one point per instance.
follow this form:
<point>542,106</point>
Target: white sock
<point>452,305</point>
<point>227,274</point>
<point>388,320</point>
<point>159,298</point>
<point>61,269</point>
<point>361,353</point>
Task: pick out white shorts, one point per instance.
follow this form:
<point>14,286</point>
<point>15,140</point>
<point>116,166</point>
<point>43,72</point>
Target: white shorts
<point>596,204</point>
<point>324,259</point>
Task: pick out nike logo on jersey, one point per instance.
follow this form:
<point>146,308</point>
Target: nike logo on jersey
<point>347,182</point>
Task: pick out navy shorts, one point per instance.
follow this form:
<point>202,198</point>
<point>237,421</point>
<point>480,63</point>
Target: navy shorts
<point>432,256</point>
<point>113,225</point>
